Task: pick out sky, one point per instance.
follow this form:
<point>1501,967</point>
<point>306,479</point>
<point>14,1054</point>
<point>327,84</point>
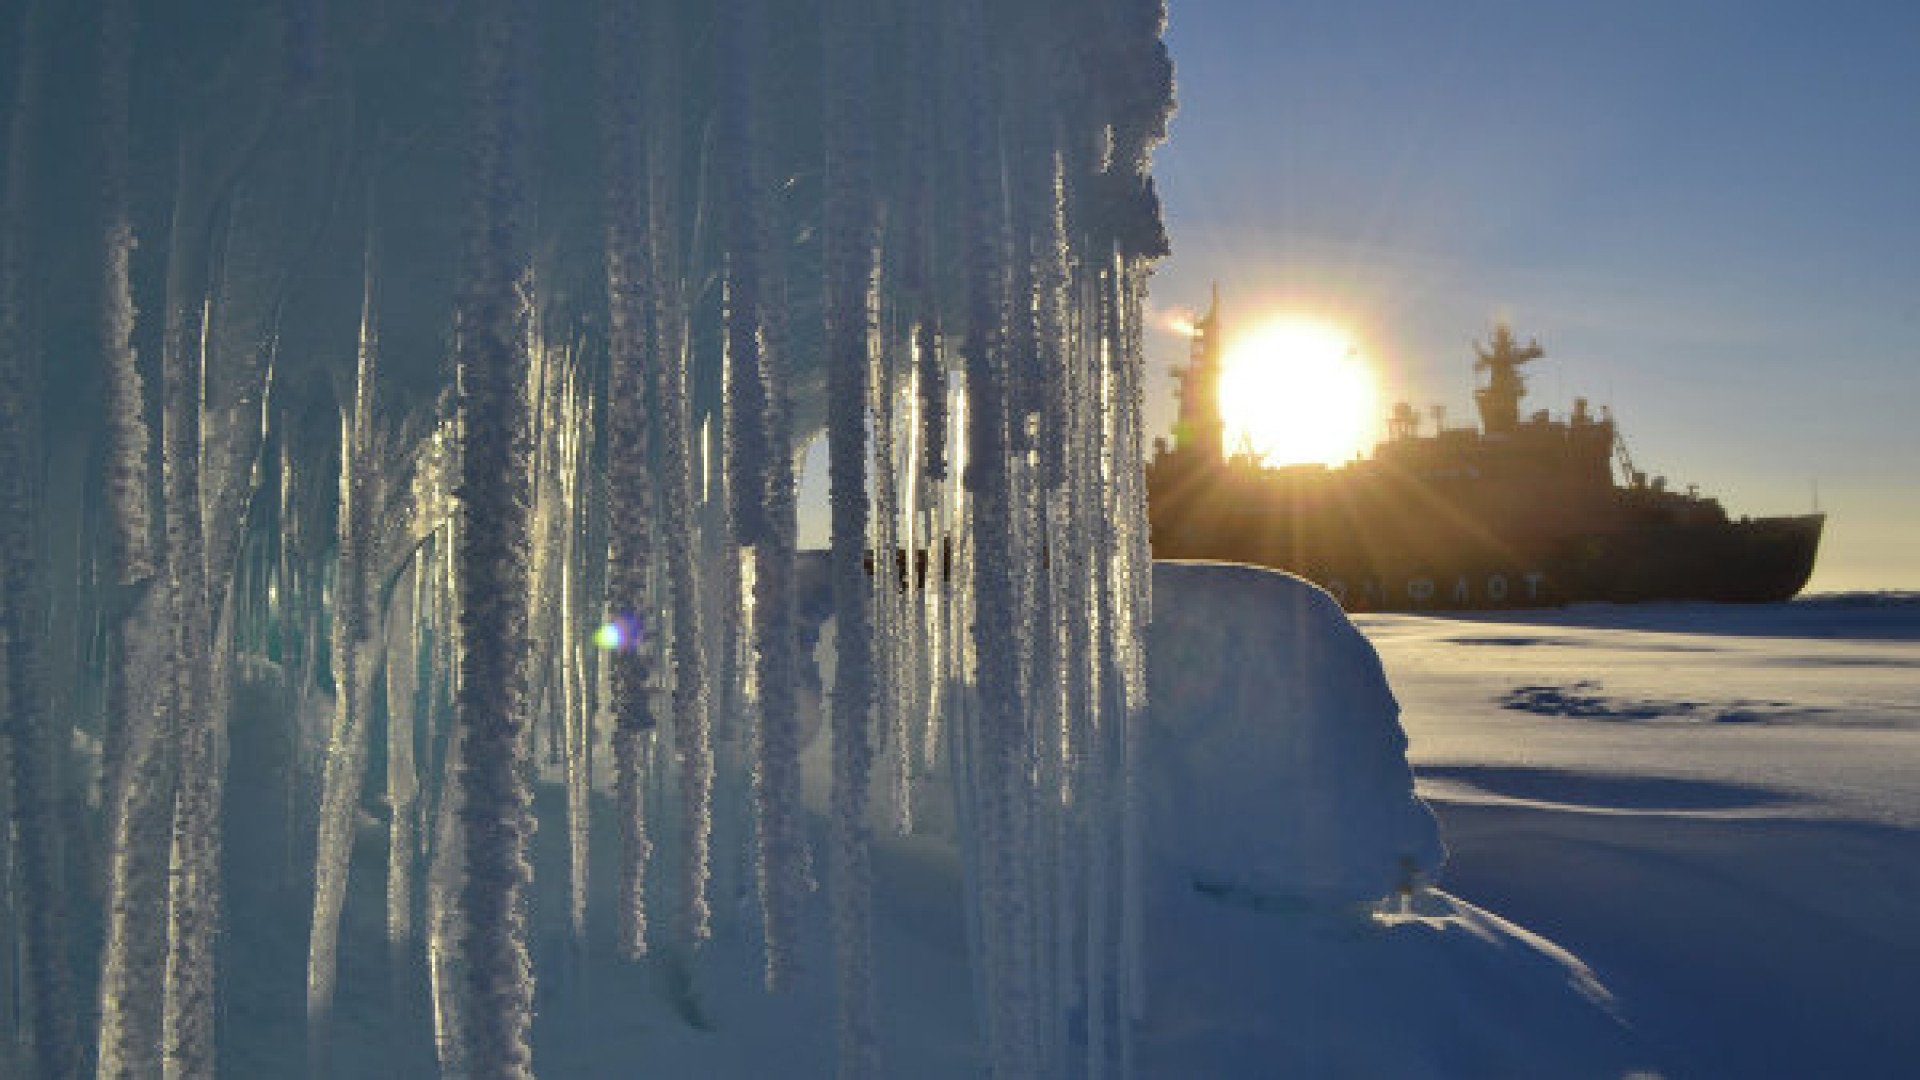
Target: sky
<point>1707,212</point>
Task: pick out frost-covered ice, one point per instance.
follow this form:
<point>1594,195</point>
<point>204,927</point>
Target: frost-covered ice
<point>1716,808</point>
<point>1281,822</point>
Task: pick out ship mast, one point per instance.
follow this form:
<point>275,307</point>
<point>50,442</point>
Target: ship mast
<point>1499,400</point>
<point>1200,431</point>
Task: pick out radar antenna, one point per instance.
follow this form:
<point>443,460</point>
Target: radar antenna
<point>1499,400</point>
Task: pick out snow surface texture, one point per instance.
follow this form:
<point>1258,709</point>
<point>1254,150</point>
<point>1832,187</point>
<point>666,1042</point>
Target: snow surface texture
<point>1745,888</point>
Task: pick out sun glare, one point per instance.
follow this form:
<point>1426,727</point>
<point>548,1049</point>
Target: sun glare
<point>1295,390</point>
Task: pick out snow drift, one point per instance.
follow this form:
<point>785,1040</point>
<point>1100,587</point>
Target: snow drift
<point>1291,925</point>
<point>1282,822</point>
<point>1277,766</point>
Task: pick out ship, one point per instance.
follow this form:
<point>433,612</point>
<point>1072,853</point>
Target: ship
<point>1520,511</point>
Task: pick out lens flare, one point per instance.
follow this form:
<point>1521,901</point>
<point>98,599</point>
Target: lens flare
<point>1296,390</point>
<point>622,633</point>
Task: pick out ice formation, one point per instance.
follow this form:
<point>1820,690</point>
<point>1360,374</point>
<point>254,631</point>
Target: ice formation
<point>377,354</point>
<point>1315,804</point>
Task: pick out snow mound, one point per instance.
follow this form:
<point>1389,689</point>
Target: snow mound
<point>1280,821</point>
<point>1277,767</point>
<point>1281,811</point>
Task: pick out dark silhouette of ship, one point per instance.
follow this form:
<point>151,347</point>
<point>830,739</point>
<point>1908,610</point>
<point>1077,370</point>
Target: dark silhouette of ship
<point>1524,511</point>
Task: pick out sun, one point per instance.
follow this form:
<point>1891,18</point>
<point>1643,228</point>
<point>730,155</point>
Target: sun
<point>1295,390</point>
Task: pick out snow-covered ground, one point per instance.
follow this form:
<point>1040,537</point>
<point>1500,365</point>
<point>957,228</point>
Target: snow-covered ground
<point>1717,809</point>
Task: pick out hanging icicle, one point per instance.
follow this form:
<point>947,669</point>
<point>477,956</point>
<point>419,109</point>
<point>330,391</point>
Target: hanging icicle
<point>941,215</point>
<point>783,876</point>
<point>759,364</point>
<point>353,669</point>
<point>494,812</point>
<point>669,315</point>
<point>884,555</point>
<point>405,702</point>
<point>850,239</point>
<point>194,895</point>
<point>139,793</point>
<point>631,619</point>
<point>999,722</point>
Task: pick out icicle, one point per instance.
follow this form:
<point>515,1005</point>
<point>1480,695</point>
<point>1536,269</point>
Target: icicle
<point>726,612</point>
<point>922,681</point>
<point>850,271</point>
<point>1033,383</point>
<point>960,746</point>
<point>1000,784</point>
<point>446,969</point>
<point>1135,613</point>
<point>403,790</point>
<point>353,659</point>
<point>490,702</point>
<point>546,529</point>
<point>884,585</point>
<point>746,412</point>
<point>576,712</point>
<point>1053,622</point>
<point>923,572</point>
<point>439,818</point>
<point>947,538</point>
<point>917,255</point>
<point>561,425</point>
<point>744,537</point>
<point>630,290</point>
<point>132,528</point>
<point>692,693</point>
<point>193,901</point>
<point>736,732</point>
<point>783,876</point>
<point>754,452</point>
<point>140,796</point>
<point>633,757</point>
<point>133,957</point>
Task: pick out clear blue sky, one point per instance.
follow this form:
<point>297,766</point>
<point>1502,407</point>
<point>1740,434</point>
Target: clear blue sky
<point>1709,213</point>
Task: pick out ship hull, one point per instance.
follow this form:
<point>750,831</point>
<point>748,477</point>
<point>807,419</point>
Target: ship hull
<point>1747,562</point>
<point>1417,547</point>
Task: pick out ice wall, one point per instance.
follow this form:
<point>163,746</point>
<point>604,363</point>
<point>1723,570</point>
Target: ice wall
<point>438,367</point>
